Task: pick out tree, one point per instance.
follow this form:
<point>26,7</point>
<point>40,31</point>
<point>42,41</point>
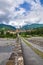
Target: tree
<point>2,32</point>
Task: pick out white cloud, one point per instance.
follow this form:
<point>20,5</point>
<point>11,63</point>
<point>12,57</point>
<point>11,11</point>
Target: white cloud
<point>17,23</point>
<point>17,18</point>
<point>2,12</point>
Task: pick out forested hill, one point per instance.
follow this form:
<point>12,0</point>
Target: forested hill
<point>32,26</point>
<point>7,27</point>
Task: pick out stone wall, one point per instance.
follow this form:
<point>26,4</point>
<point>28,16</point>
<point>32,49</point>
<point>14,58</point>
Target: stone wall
<point>16,57</point>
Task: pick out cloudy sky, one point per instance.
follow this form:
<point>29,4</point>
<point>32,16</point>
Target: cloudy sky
<point>20,12</point>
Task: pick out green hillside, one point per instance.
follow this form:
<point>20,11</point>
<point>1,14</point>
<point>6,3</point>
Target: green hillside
<point>32,26</point>
<point>7,27</point>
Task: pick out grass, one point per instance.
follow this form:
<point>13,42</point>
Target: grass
<point>34,49</point>
<point>26,36</point>
<point>38,52</point>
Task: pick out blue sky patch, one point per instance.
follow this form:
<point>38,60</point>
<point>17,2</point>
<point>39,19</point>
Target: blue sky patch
<point>24,13</point>
<point>41,1</point>
<point>26,6</point>
<point>17,9</point>
<point>35,1</point>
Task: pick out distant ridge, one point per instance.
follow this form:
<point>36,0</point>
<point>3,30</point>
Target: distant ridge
<point>32,26</point>
<point>7,27</point>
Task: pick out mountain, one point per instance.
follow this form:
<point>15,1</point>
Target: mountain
<point>32,26</point>
<point>7,27</point>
